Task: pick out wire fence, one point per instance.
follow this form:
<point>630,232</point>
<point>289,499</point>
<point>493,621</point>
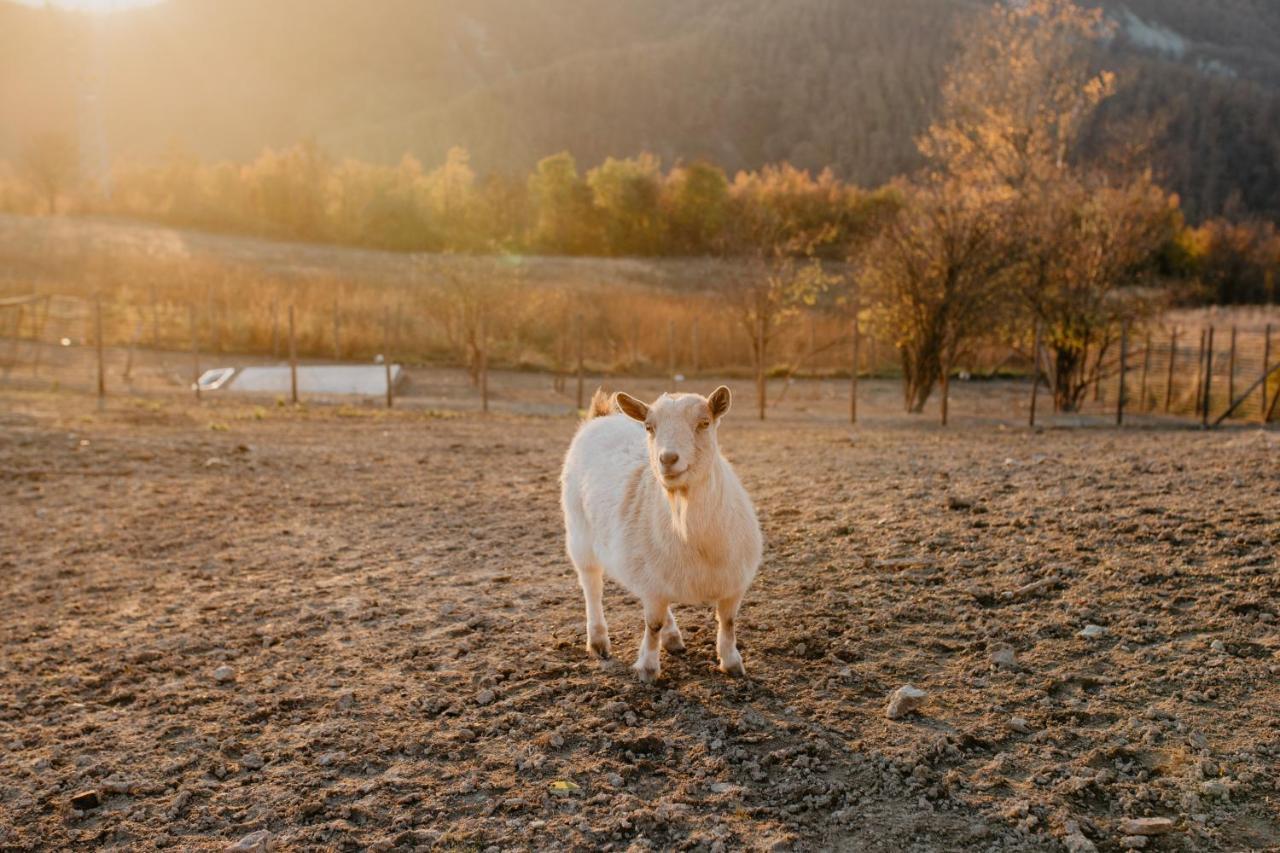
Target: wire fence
<point>1208,373</point>
<point>1202,373</point>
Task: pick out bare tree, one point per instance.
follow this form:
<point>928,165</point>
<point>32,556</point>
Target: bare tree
<point>935,273</point>
<point>1089,251</point>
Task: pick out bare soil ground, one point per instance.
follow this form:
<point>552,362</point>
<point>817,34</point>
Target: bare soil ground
<point>357,630</point>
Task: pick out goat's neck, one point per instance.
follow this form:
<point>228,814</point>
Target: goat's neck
<point>696,510</point>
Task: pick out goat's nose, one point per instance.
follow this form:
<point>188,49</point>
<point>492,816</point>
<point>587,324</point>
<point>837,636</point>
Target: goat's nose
<point>668,458</point>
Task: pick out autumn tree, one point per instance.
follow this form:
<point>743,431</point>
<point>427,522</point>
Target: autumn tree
<point>936,274</point>
<point>695,201</point>
<point>1017,99</point>
<point>50,162</point>
<point>1015,107</point>
<point>561,206</point>
<point>625,195</point>
<point>1090,256</point>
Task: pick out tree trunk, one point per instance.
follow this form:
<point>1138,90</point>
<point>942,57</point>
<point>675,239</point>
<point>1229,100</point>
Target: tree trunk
<point>1068,386</point>
<point>919,375</point>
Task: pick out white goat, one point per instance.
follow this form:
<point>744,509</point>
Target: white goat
<point>686,534</point>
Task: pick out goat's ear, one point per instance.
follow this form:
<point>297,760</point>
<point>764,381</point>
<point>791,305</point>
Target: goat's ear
<point>630,406</point>
<point>719,401</point>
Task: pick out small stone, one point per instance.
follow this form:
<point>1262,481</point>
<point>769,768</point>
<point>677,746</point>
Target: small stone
<point>346,700</point>
<point>224,674</point>
<point>254,842</point>
<point>1092,632</point>
<point>1218,646</point>
<point>904,700</point>
<point>484,697</point>
<point>721,787</point>
<point>1020,725</point>
<point>329,758</point>
<point>215,462</point>
<point>252,761</point>
<point>1146,826</point>
<point>958,503</point>
<point>1004,657</point>
<point>1216,789</point>
<point>1133,842</point>
<point>1075,840</point>
<point>86,800</point>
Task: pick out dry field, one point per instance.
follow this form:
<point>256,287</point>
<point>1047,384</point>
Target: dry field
<point>357,630</point>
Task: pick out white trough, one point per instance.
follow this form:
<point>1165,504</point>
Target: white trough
<point>368,380</point>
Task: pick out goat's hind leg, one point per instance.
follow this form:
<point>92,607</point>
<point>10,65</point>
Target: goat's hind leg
<point>670,635</point>
<point>591,578</point>
<point>727,636</point>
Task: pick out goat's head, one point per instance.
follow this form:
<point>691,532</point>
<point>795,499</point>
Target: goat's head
<point>682,433</point>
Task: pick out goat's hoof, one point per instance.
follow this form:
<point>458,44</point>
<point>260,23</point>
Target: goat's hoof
<point>599,648</point>
<point>675,644</point>
<point>646,674</point>
<point>734,669</point>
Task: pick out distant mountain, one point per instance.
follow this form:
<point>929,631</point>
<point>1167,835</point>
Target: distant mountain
<point>845,83</point>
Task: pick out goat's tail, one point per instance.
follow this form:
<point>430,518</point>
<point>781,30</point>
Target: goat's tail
<point>601,404</point>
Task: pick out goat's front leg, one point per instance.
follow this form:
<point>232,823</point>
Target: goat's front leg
<point>647,665</point>
<point>726,637</point>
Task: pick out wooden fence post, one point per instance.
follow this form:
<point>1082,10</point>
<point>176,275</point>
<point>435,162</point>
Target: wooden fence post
<point>760,369</point>
<point>337,332</point>
<point>1173,356</point>
<point>1231,369</point>
<point>579,333</point>
<point>275,330</point>
<point>386,352</point>
<point>133,343</point>
<point>1124,369</point>
<point>293,360</point>
<point>1266,364</point>
<point>1208,377</point>
<point>671,349</point>
<point>1200,374</point>
<point>102,369</point>
<point>693,335</point>
<point>1035,375</point>
<point>856,345</point>
<point>1146,368</point>
<point>484,365</point>
<point>214,331</point>
<point>195,349</point>
<point>155,319</point>
<point>946,392</point>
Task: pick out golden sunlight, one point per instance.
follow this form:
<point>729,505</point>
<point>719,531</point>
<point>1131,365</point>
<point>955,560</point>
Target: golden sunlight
<point>97,6</point>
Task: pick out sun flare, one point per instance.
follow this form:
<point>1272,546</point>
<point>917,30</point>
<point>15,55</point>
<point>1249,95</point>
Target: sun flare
<point>95,6</point>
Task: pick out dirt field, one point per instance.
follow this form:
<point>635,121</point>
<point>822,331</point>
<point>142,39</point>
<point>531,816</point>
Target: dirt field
<point>358,631</point>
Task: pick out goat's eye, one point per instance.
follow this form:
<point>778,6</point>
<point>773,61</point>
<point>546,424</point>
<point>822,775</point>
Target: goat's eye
<point>703,424</point>
<point>648,428</point>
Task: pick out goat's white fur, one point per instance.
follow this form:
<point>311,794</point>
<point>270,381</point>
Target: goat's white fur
<point>679,531</point>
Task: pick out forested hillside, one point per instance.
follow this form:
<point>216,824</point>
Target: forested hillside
<point>840,83</point>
